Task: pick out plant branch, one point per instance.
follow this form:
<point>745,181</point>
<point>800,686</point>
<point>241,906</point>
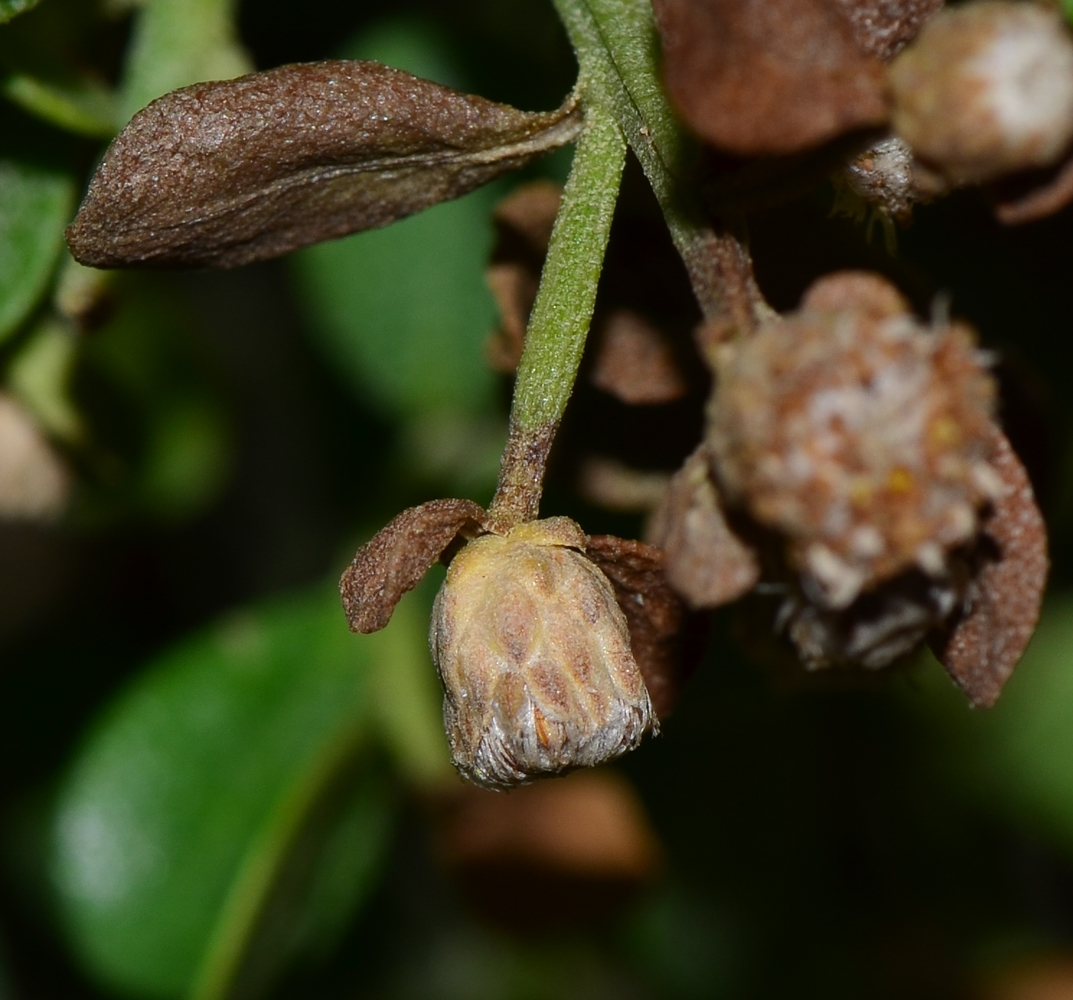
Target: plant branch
<point>559,323</point>
<point>617,46</point>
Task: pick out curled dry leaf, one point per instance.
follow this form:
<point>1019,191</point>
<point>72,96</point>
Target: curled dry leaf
<point>395,559</point>
<point>882,28</point>
<point>657,617</point>
<point>753,77</point>
<point>982,645</point>
<point>221,174</point>
<point>706,561</point>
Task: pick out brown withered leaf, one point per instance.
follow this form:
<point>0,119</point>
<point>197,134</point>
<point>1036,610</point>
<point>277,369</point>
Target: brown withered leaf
<point>982,645</point>
<point>661,634</point>
<point>636,362</point>
<point>882,28</point>
<point>755,78</point>
<point>395,559</point>
<point>706,561</point>
<point>523,222</point>
<point>221,174</point>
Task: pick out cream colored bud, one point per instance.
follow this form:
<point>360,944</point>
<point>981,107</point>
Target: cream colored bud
<point>534,655</point>
<point>986,90</point>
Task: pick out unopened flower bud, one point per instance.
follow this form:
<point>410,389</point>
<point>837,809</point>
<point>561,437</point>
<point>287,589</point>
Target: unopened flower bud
<point>857,433</point>
<point>534,655</point>
<point>986,90</point>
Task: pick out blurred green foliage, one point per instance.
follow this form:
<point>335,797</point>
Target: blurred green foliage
<point>238,792</point>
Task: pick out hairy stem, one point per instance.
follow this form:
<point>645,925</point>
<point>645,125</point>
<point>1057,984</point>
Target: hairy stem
<point>618,48</point>
<point>559,324</point>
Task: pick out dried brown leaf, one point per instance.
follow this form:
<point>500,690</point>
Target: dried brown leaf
<point>706,561</point>
<point>883,28</point>
<point>754,77</point>
<point>221,174</point>
<point>636,361</point>
<point>983,644</point>
<point>395,559</point>
<point>658,619</point>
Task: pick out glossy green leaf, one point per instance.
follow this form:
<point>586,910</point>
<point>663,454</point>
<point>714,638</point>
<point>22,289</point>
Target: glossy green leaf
<point>35,204</point>
<point>179,42</point>
<point>226,815</point>
<point>10,8</point>
<point>404,311</point>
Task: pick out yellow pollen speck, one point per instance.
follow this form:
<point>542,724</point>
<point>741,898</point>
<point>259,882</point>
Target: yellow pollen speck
<point>900,481</point>
<point>945,431</point>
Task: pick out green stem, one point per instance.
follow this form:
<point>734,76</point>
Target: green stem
<point>618,48</point>
<point>559,323</point>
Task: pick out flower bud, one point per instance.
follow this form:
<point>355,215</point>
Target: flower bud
<point>534,655</point>
<point>986,90</point>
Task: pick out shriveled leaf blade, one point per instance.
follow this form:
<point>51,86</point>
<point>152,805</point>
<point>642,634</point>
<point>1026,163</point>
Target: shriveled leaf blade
<point>982,645</point>
<point>396,558</point>
<point>662,634</point>
<point>11,8</point>
<point>221,174</point>
<point>227,780</point>
<point>35,203</point>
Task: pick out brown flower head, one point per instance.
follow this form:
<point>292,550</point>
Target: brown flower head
<point>858,433</point>
<point>534,655</point>
<point>547,641</point>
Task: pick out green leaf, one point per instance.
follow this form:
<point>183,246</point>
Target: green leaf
<point>81,107</point>
<point>40,376</point>
<point>179,42</point>
<point>11,8</point>
<point>226,815</point>
<point>1016,759</point>
<point>404,311</point>
<point>35,204</point>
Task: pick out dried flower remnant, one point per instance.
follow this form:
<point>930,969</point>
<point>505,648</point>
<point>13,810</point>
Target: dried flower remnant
<point>885,180</point>
<point>534,654</point>
<point>221,174</point>
<point>858,434</point>
<point>754,78</point>
<point>986,90</point>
